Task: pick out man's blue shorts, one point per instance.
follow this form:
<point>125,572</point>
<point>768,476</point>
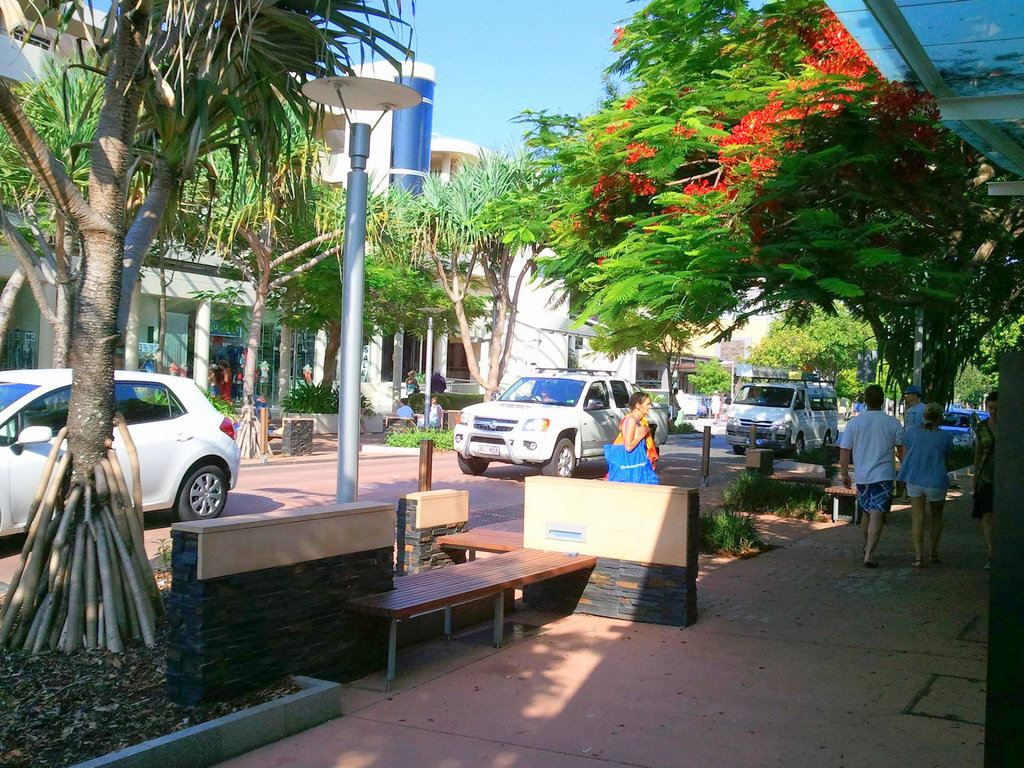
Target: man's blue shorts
<point>875,497</point>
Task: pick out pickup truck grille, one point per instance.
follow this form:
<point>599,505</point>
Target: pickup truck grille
<point>761,424</point>
<point>494,425</point>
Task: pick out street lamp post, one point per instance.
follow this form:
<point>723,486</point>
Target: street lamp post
<point>363,94</point>
<point>429,312</point>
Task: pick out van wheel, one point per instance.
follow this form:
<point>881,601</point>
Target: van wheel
<point>739,450</point>
<point>798,445</point>
<point>563,460</point>
<point>828,438</point>
<point>473,466</point>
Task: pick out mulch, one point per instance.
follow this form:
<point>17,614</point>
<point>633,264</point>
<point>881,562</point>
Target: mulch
<point>59,709</point>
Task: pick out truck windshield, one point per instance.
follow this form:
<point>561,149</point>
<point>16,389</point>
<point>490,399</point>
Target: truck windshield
<point>533,389</point>
<point>759,394</point>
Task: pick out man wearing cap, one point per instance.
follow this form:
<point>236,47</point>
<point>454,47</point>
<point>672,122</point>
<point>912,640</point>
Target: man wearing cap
<point>914,414</point>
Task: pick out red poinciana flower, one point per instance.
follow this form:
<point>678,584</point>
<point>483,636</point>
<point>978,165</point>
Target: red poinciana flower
<point>638,151</point>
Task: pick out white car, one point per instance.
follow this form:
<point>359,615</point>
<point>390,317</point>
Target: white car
<point>187,454</point>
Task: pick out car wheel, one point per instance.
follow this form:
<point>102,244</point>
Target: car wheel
<point>563,460</point>
<point>798,445</point>
<point>203,494</point>
<point>828,437</point>
<point>739,450</point>
<point>473,466</point>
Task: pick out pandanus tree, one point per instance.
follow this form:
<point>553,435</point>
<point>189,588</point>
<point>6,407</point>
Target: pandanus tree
<point>62,106</point>
<point>180,79</point>
<point>756,161</point>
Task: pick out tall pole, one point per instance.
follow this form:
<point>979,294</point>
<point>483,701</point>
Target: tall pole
<point>918,346</point>
<point>430,370</point>
<point>352,315</point>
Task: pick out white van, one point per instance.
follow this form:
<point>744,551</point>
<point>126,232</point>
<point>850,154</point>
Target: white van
<point>790,416</point>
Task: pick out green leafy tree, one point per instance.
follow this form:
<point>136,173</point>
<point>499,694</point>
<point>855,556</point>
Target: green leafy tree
<point>815,341</point>
<point>972,385</point>
<point>757,162</point>
<point>711,377</point>
<point>180,80</point>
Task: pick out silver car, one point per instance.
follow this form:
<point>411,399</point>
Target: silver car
<point>187,454</point>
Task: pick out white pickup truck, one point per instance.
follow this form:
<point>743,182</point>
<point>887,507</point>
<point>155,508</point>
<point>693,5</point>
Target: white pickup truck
<point>550,421</point>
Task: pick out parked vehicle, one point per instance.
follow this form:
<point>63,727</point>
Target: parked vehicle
<point>961,421</point>
<point>789,415</point>
<point>550,421</point>
<point>187,454</point>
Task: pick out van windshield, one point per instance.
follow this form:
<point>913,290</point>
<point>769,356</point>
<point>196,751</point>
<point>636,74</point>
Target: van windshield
<point>760,394</point>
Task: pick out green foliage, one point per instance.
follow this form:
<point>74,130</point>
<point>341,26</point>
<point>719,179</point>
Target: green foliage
<point>972,385</point>
<point>222,406</point>
<point>310,398</point>
<point>785,174</point>
<point>681,428</point>
<point>450,401</point>
<point>164,550</point>
<point>815,340</point>
<point>411,438</point>
<point>754,493</point>
<point>711,376</point>
<point>725,532</point>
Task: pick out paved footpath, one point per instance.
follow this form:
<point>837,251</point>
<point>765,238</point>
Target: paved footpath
<point>800,658</point>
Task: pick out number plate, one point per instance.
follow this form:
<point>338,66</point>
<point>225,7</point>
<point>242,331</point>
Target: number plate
<point>488,450</point>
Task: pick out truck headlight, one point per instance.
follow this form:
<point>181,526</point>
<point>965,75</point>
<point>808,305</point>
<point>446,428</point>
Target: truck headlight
<point>780,424</point>
<point>536,425</point>
<point>732,422</point>
<point>465,419</point>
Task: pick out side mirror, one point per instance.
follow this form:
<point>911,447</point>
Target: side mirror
<point>36,434</point>
<point>31,436</point>
<point>594,405</point>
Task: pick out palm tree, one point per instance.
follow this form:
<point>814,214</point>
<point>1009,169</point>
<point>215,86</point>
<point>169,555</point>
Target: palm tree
<point>180,79</point>
<point>467,236</point>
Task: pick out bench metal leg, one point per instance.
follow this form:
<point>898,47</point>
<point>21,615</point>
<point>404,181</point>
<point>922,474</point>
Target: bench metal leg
<point>499,619</point>
<point>448,622</point>
<point>392,647</point>
<point>471,554</point>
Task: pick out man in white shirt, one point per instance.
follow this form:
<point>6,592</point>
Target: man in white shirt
<point>872,441</point>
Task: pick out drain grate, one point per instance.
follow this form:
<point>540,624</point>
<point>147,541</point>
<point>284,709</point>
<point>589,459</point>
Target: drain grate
<point>948,697</point>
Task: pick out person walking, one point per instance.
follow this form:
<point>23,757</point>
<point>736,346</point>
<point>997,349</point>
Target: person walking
<point>435,414</point>
<point>913,416</point>
<point>871,440</point>
<point>984,471</point>
<point>923,469</point>
<point>629,457</point>
<point>437,382</point>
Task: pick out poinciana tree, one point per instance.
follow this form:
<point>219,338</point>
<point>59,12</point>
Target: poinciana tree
<point>757,162</point>
<point>179,79</point>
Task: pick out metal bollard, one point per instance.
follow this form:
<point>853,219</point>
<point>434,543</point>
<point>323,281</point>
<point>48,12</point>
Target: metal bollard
<point>705,457</point>
<point>426,464</point>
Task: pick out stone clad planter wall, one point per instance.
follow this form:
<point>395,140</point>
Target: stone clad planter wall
<point>421,518</point>
<point>645,538</point>
<point>258,596</point>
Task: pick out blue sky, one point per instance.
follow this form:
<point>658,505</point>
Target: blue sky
<point>495,58</point>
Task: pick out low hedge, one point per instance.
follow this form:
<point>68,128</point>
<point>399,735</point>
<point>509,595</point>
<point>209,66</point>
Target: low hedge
<point>726,532</point>
<point>411,438</point>
<point>450,401</point>
<point>753,493</point>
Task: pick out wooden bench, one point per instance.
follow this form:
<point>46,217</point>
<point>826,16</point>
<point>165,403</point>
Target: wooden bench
<point>844,503</point>
<point>483,539</point>
<point>444,588</point>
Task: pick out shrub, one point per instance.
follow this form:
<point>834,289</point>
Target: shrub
<point>310,398</point>
<point>723,531</point>
<point>450,401</point>
<point>682,428</point>
<point>222,406</point>
<point>754,493</point>
<point>411,438</point>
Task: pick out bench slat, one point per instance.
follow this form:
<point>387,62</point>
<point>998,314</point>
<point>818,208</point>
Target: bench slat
<point>431,590</point>
<point>484,540</point>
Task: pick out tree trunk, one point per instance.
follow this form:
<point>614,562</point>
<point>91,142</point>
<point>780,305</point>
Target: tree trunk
<point>7,298</point>
<point>62,331</point>
<point>248,425</point>
<point>331,352</point>
<point>284,364</point>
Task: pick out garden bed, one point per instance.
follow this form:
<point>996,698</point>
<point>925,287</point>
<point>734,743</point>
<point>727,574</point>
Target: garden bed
<point>60,709</point>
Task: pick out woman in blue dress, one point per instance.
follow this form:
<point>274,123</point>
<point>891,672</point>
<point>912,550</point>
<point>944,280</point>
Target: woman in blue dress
<point>629,460</point>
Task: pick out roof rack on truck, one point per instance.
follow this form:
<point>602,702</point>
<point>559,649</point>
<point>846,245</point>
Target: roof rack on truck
<point>591,371</point>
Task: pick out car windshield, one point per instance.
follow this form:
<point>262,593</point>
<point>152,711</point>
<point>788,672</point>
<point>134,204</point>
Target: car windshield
<point>11,391</point>
<point>961,420</point>
<point>533,389</point>
<point>759,394</point>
